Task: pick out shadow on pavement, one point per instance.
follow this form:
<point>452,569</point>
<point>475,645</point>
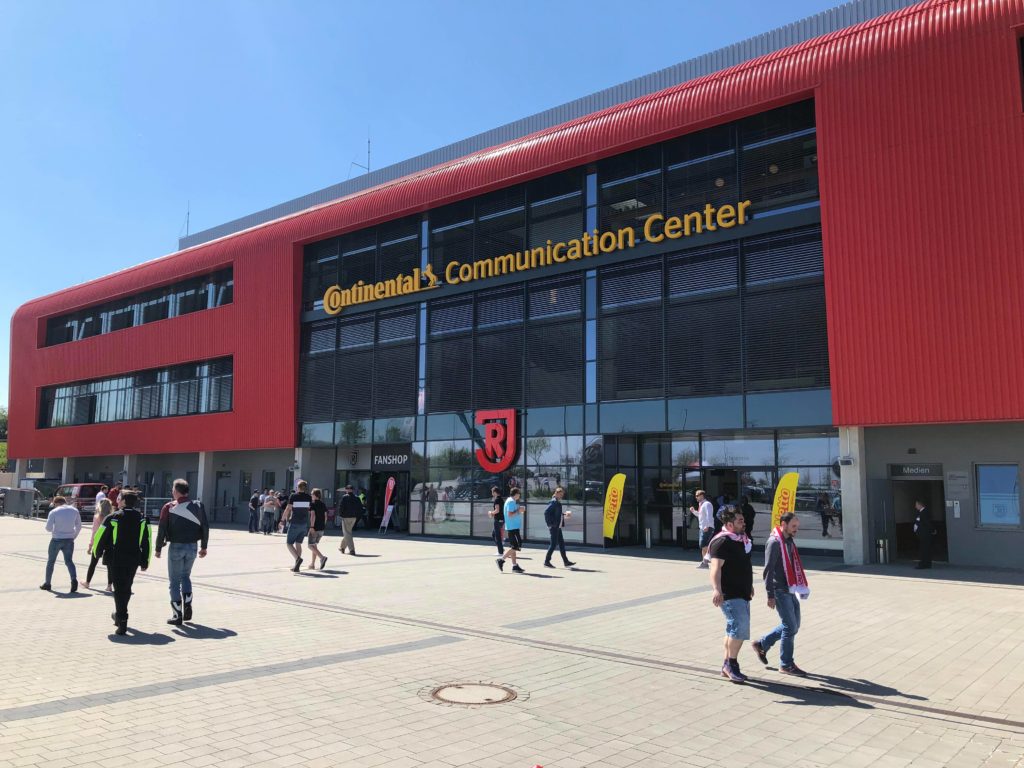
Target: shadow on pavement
<point>865,687</point>
<point>584,570</point>
<point>70,595</point>
<point>541,575</point>
<point>134,637</point>
<point>816,697</point>
<point>321,574</point>
<point>201,632</point>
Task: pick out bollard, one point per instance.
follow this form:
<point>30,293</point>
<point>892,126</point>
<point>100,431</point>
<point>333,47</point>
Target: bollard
<point>883,551</point>
<point>647,538</point>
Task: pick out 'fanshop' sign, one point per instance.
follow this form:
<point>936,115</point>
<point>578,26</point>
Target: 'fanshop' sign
<point>391,457</point>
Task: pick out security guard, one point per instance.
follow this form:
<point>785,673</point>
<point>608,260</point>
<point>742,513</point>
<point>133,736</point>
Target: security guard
<point>124,537</point>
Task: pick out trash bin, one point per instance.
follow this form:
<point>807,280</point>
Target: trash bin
<point>883,551</point>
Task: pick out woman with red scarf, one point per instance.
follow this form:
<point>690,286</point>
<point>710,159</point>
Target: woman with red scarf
<point>785,584</point>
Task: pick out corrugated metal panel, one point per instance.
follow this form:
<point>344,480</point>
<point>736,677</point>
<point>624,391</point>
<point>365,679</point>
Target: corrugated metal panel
<point>791,34</point>
<point>921,154</point>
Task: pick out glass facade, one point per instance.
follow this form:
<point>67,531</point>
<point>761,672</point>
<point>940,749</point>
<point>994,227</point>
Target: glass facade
<point>183,390</point>
<point>683,367</point>
<point>192,295</point>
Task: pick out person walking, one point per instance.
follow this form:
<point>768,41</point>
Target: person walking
<point>924,530</point>
<point>749,515</point>
<point>269,509</point>
<point>183,523</point>
<point>513,526</point>
<point>785,583</point>
<point>732,582</point>
<point>296,518</point>
<point>351,511</point>
<point>64,524</point>
<point>824,510</point>
<point>317,525</point>
<point>705,514</point>
<point>104,508</point>
<point>282,500</point>
<point>554,518</point>
<point>124,539</point>
<point>254,512</point>
<point>497,514</point>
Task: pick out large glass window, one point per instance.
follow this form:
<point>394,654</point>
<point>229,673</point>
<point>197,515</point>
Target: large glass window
<point>193,295</point>
<point>999,495</point>
<point>183,390</point>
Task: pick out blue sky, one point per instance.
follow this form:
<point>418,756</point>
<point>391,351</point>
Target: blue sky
<point>118,116</point>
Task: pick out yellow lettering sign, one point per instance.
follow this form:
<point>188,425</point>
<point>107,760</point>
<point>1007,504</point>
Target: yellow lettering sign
<point>656,228</point>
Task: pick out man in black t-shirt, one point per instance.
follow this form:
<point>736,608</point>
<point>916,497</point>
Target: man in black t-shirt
<point>732,578</point>
<point>296,514</point>
<point>317,524</point>
<point>254,512</point>
<point>497,513</point>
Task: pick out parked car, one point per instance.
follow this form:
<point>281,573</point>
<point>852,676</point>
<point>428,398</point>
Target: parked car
<point>82,496</point>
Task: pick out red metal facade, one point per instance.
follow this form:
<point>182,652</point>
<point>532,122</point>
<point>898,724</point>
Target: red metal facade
<point>921,157</point>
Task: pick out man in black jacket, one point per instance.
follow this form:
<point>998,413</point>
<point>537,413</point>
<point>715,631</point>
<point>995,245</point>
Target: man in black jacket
<point>254,512</point>
<point>554,518</point>
<point>351,511</point>
<point>125,540</point>
<point>182,523</point>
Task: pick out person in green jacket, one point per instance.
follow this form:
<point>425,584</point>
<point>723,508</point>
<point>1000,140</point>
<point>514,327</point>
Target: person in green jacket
<point>124,537</point>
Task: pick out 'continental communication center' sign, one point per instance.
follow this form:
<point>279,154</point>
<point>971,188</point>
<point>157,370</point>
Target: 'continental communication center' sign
<point>656,229</point>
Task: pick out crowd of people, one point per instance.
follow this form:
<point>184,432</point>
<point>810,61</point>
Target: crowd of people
<point>121,539</point>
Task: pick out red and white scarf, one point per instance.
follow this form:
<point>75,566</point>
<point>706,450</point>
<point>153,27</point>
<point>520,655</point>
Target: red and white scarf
<point>742,538</point>
<point>795,576</point>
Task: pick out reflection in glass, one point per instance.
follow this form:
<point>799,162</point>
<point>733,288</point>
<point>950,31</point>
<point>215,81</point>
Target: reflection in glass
<point>321,434</point>
<point>738,450</point>
<point>814,448</point>
<point>819,506</point>
<point>998,495</point>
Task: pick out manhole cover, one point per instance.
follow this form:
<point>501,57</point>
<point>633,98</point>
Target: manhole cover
<point>472,693</point>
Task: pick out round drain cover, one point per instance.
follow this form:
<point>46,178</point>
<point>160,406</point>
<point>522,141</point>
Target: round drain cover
<point>473,693</point>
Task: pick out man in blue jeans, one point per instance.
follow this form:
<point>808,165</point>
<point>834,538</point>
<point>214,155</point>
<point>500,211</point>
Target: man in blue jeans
<point>554,518</point>
<point>64,524</point>
<point>780,597</point>
<point>732,584</point>
<point>183,524</point>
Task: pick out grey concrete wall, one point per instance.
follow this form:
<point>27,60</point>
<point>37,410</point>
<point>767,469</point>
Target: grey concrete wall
<point>959,448</point>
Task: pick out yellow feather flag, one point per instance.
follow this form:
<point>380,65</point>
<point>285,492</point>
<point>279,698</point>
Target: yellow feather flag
<point>785,497</point>
<point>612,504</point>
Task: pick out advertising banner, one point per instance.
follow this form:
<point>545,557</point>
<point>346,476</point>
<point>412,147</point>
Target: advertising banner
<point>388,506</point>
<point>785,497</point>
<point>612,504</point>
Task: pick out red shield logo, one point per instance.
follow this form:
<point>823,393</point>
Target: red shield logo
<point>501,441</point>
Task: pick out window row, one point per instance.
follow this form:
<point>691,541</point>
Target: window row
<point>192,295</point>
<point>769,159</point>
<point>183,390</point>
<point>746,316</point>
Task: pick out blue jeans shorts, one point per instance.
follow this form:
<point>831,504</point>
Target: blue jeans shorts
<point>737,618</point>
<point>296,533</point>
<point>706,537</point>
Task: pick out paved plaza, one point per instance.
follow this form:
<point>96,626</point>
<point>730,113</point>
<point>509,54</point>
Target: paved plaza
<point>614,663</point>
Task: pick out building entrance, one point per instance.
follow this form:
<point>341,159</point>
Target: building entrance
<point>931,494</point>
<point>399,499</point>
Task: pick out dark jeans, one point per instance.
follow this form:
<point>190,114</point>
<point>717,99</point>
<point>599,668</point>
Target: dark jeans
<point>556,541</point>
<point>67,548</point>
<point>925,544</point>
<point>496,535</point>
<point>254,517</point>
<point>122,578</point>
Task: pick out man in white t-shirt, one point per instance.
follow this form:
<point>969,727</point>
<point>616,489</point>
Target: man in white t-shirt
<point>101,495</point>
<point>706,522</point>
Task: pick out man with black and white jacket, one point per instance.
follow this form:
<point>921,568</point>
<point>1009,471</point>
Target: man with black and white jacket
<point>183,523</point>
